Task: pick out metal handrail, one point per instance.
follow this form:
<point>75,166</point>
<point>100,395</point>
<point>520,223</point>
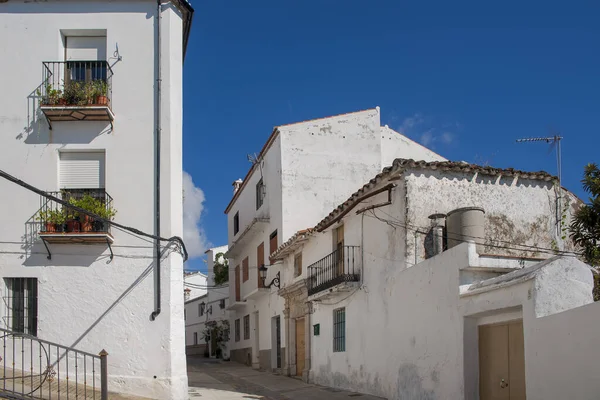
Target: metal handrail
<point>342,265</point>
<point>76,83</point>
<point>31,368</point>
<point>55,217</point>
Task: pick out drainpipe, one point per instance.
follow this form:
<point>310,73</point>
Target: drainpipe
<point>157,254</point>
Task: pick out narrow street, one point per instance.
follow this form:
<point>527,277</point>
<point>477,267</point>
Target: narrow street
<point>214,380</point>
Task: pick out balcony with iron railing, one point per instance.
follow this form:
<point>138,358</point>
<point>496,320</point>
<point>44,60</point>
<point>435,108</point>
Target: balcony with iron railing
<point>60,223</point>
<point>335,272</point>
<point>76,91</point>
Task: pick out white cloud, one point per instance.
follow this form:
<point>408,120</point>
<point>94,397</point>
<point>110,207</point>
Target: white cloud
<point>410,122</point>
<point>447,137</point>
<point>427,138</point>
<point>193,205</point>
<point>426,130</point>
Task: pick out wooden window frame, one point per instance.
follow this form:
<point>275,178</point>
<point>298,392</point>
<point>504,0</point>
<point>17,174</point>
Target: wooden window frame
<point>297,264</point>
<point>245,270</point>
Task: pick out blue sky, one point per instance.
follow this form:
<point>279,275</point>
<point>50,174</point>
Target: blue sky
<point>465,79</point>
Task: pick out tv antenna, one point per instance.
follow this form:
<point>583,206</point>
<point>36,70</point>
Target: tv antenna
<point>253,158</point>
<point>554,142</point>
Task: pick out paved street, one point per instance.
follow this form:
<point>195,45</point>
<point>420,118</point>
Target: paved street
<point>213,380</point>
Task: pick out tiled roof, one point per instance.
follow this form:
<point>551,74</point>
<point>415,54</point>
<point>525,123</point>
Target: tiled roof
<point>401,164</point>
<point>298,236</point>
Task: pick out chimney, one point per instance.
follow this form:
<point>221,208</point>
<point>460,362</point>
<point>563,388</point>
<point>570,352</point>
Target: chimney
<point>236,185</point>
<point>437,228</point>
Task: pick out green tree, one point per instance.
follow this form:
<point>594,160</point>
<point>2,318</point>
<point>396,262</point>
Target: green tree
<point>221,269</point>
<point>585,228</point>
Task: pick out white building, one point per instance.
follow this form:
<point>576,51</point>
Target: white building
<point>384,297</point>
<point>303,171</point>
<point>80,116</point>
<point>195,285</point>
<point>206,315</point>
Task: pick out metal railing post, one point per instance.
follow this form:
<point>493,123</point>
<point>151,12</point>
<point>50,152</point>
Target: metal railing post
<point>103,375</point>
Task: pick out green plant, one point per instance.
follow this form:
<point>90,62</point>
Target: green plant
<point>75,92</point>
<point>221,269</point>
<point>100,88</point>
<point>93,205</point>
<point>585,228</point>
<point>51,96</point>
<point>51,217</point>
<point>220,330</point>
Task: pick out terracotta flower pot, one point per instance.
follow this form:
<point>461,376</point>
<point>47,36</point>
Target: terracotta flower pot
<point>73,226</point>
<point>102,100</point>
<point>62,102</point>
<point>50,227</point>
<point>87,223</point>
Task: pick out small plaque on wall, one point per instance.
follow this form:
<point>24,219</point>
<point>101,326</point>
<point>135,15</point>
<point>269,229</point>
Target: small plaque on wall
<point>316,329</point>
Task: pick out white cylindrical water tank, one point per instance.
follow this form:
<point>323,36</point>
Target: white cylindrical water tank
<point>466,224</point>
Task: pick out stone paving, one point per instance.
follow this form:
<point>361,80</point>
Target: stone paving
<point>216,380</point>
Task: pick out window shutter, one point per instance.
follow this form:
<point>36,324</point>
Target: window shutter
<point>82,170</point>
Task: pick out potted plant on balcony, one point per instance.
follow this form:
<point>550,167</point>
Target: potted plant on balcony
<point>101,92</point>
<point>51,96</point>
<point>95,206</point>
<point>52,220</point>
<point>75,93</point>
<point>106,212</point>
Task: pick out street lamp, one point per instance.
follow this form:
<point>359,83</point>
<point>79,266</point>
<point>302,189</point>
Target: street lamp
<point>263,275</point>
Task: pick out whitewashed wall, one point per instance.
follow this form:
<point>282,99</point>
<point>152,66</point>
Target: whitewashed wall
<point>309,169</point>
<point>196,282</point>
<point>517,210</point>
<point>396,145</point>
<point>421,342</point>
<point>117,298</point>
<point>194,322</point>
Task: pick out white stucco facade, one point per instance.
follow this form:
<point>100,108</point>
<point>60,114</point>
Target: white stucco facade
<point>411,316</point>
<point>195,285</point>
<point>85,299</point>
<point>307,169</point>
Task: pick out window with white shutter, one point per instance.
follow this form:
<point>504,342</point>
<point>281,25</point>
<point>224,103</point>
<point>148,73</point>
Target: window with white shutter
<point>82,169</point>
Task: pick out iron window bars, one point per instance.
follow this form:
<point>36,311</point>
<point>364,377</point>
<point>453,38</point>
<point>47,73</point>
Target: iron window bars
<point>339,330</point>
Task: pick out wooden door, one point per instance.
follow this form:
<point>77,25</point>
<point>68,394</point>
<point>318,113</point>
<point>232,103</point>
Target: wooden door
<point>502,361</point>
<point>260,261</point>
<point>300,346</point>
<point>237,283</point>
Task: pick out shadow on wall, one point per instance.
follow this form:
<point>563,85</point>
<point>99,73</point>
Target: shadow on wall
<point>484,179</point>
<point>66,8</point>
<point>67,255</point>
<point>38,129</point>
<point>119,299</point>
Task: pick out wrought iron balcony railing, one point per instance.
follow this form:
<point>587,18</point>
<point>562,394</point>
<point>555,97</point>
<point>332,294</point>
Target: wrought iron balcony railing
<point>56,218</point>
<point>76,91</point>
<point>343,265</point>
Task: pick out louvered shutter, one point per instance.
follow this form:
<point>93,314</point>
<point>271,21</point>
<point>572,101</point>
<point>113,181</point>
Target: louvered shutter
<point>82,170</point>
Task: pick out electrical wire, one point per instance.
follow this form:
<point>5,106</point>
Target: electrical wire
<point>138,232</point>
<point>522,247</point>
